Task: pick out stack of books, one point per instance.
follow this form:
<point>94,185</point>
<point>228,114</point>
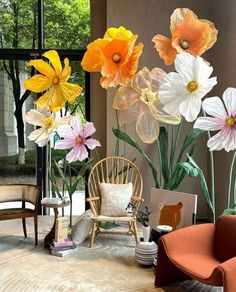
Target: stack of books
<point>63,247</point>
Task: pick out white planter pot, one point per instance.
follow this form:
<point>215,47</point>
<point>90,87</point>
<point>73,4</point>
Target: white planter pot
<point>146,233</point>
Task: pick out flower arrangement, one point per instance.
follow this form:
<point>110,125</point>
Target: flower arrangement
<point>150,97</point>
<point>74,135</point>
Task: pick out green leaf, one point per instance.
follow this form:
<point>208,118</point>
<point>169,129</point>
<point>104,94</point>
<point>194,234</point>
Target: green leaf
<point>178,174</point>
<point>194,170</point>
<point>230,211</point>
<point>74,186</point>
<point>163,143</point>
<point>62,175</point>
<point>192,134</point>
<point>127,139</point>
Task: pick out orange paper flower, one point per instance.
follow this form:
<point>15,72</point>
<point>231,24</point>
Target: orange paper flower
<point>115,56</point>
<point>53,80</point>
<point>188,34</point>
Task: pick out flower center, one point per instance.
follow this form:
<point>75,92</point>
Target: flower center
<point>192,86</point>
<point>55,80</point>
<point>184,44</point>
<point>47,121</point>
<point>79,140</point>
<point>230,122</point>
<point>147,96</point>
<point>116,58</point>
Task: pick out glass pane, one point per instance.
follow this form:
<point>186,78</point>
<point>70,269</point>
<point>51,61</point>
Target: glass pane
<point>18,23</point>
<point>66,24</point>
<point>73,171</point>
<point>17,153</point>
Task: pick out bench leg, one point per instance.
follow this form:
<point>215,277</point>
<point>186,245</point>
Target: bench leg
<point>24,227</point>
<point>36,229</point>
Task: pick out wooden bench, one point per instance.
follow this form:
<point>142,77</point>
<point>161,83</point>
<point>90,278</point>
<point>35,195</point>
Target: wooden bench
<point>24,193</point>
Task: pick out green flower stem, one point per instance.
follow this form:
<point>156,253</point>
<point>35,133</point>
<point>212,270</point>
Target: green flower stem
<point>234,191</point>
<point>160,161</point>
<point>230,181</point>
<point>212,172</point>
<point>175,145</point>
<point>171,151</point>
<point>117,150</point>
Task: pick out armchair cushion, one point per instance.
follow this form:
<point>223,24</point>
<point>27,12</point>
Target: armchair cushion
<point>115,198</point>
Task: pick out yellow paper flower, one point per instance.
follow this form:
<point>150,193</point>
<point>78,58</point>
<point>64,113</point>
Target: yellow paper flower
<point>188,34</point>
<point>115,56</point>
<point>138,101</point>
<point>53,79</point>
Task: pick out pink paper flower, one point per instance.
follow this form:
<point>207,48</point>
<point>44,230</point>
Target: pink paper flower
<point>76,137</point>
<point>223,118</point>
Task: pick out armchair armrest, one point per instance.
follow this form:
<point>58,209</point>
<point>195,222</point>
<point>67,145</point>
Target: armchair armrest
<point>192,239</point>
<point>228,269</point>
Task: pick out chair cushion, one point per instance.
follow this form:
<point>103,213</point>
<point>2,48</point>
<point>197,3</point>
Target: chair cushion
<point>115,198</point>
<point>82,227</point>
<point>225,237</point>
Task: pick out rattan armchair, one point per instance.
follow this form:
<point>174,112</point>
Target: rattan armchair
<point>23,193</point>
<point>114,170</point>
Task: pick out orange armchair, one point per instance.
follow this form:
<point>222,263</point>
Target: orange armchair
<point>205,252</point>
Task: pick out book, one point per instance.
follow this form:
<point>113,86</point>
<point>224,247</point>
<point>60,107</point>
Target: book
<point>63,243</point>
<point>51,201</point>
<point>63,252</point>
<point>61,228</point>
<point>61,248</point>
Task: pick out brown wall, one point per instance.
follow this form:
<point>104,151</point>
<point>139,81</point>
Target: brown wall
<point>147,18</point>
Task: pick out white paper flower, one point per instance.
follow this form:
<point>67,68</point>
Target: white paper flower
<point>222,118</point>
<point>181,92</point>
<point>47,122</point>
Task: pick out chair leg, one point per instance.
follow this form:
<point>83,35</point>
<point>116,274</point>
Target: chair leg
<point>135,231</point>
<point>24,227</point>
<point>130,231</point>
<point>94,228</point>
<point>36,229</point>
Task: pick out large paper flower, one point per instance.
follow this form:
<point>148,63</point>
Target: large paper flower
<point>115,56</point>
<point>48,125</point>
<point>76,137</point>
<point>138,100</point>
<point>223,118</point>
<point>188,34</point>
<point>181,92</point>
<point>53,79</point>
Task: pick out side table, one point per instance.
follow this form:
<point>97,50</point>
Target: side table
<point>48,240</point>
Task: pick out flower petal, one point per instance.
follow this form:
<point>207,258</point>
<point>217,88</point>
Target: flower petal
<point>43,68</point>
<point>65,74</point>
<point>89,130</point>
<point>209,124</point>
<point>214,107</point>
<point>70,91</point>
<point>34,117</point>
<point>93,58</point>
<point>38,83</point>
<point>161,116</point>
<point>125,97</point>
<point>78,153</point>
<point>190,108</point>
<point>40,136</point>
<point>229,97</point>
<point>147,127</point>
<point>164,47</point>
<point>67,133</point>
<point>76,125</point>
<point>54,58</point>
<point>218,141</point>
<point>64,144</point>
<point>91,143</point>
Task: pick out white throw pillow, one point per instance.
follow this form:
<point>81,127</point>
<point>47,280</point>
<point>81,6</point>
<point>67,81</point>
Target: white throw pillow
<point>115,198</point>
<point>82,227</point>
